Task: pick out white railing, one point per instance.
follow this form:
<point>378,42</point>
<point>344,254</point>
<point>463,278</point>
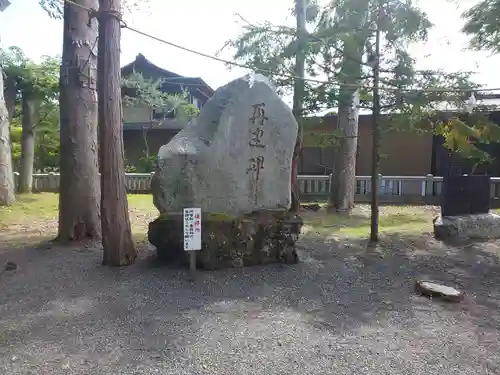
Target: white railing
<point>49,182</point>
<point>392,188</point>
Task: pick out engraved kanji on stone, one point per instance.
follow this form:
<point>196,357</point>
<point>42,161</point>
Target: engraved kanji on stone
<point>256,140</point>
<point>255,164</point>
<point>259,114</point>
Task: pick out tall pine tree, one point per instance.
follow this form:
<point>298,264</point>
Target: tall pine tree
<point>339,52</point>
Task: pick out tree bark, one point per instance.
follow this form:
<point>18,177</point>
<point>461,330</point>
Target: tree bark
<point>298,97</point>
<point>374,217</point>
<point>79,187</point>
<point>343,186</point>
<point>27,145</point>
<point>344,173</point>
<point>118,245</point>
<point>7,194</point>
<point>10,92</point>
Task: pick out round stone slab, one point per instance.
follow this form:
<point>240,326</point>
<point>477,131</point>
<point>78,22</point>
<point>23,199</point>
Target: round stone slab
<point>434,290</point>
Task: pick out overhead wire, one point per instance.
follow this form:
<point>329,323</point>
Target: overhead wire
<point>274,73</point>
<point>443,90</point>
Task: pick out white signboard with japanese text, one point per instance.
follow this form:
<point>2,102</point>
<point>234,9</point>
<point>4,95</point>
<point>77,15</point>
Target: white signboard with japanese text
<point>192,229</point>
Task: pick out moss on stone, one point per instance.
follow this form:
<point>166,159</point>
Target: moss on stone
<point>163,216</point>
<point>169,216</point>
<point>218,217</point>
<point>227,241</point>
<point>210,216</point>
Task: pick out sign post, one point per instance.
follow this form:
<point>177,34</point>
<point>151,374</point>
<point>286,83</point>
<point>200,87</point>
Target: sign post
<point>192,235</point>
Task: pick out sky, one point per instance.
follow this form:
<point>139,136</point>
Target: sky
<point>206,25</point>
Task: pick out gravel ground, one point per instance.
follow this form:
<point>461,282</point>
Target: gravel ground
<point>342,310</point>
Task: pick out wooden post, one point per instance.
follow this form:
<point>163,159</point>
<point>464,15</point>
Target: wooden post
<point>374,218</point>
<point>119,248</point>
<point>192,265</point>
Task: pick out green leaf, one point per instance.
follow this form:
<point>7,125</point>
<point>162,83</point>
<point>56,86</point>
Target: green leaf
<point>139,91</point>
<point>483,25</point>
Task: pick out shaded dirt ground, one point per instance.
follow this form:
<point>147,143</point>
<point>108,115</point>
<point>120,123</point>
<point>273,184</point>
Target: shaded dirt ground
<point>344,309</point>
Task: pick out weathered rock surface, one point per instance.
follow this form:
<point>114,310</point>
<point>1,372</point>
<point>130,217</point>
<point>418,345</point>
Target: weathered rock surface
<point>483,226</point>
<point>234,158</point>
<point>256,238</point>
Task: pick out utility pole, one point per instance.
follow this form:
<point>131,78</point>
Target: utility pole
<point>374,219</point>
<point>118,246</point>
<point>298,95</point>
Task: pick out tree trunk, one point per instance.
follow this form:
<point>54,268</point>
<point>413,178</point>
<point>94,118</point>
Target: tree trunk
<point>27,145</point>
<point>374,216</point>
<point>344,173</point>
<point>295,193</point>
<point>118,245</point>
<point>343,186</point>
<point>145,139</point>
<point>298,97</point>
<point>10,92</point>
<point>7,195</point>
<point>79,187</point>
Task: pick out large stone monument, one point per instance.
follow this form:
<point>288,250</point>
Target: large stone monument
<point>234,162</point>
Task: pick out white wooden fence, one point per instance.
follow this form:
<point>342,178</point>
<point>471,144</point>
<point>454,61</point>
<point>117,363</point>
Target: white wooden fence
<point>396,189</point>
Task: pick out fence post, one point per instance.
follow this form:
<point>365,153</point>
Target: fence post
<point>16,180</point>
<point>428,185</point>
<point>150,180</point>
<point>52,182</point>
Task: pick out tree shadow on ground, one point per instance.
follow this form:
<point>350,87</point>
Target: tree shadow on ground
<point>345,307</point>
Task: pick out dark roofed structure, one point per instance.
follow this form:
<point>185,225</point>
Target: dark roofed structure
<point>171,82</point>
<point>136,120</point>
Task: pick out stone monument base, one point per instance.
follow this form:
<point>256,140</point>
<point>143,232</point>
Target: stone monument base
<point>481,226</point>
<point>260,237</point>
